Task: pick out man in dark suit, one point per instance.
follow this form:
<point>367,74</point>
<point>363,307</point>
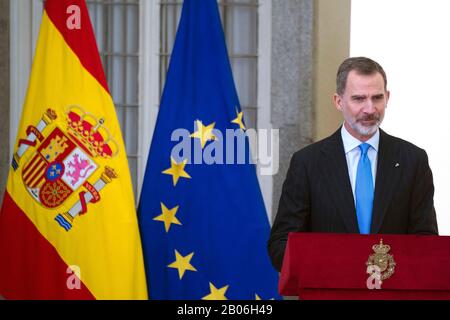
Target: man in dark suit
<point>360,179</point>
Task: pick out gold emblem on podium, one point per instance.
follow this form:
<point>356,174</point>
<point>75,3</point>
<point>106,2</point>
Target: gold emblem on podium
<point>381,261</point>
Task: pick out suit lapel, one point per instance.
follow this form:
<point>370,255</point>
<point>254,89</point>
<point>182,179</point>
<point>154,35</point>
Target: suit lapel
<point>386,181</point>
<point>339,181</point>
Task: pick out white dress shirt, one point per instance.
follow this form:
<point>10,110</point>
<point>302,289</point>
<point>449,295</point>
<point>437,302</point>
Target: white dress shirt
<point>353,153</point>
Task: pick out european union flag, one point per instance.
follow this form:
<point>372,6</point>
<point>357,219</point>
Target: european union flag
<point>203,222</point>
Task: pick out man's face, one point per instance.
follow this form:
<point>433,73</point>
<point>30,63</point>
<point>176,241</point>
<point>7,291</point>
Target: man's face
<point>363,104</point>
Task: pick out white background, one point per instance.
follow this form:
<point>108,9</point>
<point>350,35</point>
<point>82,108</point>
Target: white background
<point>411,40</point>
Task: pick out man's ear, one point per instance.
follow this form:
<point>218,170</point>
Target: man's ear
<point>337,100</point>
<point>388,95</point>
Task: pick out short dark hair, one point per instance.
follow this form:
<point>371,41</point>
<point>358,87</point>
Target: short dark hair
<point>361,65</point>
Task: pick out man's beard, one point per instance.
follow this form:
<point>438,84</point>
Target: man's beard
<point>364,130</point>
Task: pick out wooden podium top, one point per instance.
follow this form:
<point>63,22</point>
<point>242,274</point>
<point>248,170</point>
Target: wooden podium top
<point>334,266</point>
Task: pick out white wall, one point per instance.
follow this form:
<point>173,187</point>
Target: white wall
<point>411,40</point>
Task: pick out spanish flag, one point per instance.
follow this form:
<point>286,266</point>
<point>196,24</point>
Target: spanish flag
<point>68,225</point>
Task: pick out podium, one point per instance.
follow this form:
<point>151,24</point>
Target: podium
<point>334,267</point>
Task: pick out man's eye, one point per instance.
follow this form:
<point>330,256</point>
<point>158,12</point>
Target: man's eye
<point>358,99</point>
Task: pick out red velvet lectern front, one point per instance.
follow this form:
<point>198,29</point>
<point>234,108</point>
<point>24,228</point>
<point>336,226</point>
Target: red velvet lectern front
<point>332,266</point>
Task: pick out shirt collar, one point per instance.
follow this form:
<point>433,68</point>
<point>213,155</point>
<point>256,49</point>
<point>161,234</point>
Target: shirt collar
<point>350,142</point>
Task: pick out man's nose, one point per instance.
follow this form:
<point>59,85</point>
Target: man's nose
<point>369,107</point>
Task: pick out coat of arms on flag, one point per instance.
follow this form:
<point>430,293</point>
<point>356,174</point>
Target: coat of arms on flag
<point>63,161</point>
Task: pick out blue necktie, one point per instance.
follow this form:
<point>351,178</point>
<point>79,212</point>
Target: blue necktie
<point>364,191</point>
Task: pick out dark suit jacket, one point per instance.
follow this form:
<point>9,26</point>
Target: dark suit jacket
<point>317,194</point>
